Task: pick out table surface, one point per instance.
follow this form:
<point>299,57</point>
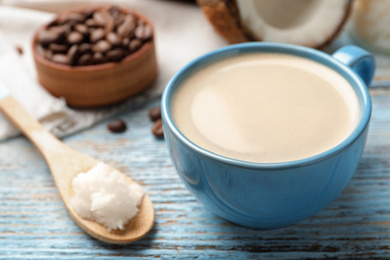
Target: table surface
<point>34,223</point>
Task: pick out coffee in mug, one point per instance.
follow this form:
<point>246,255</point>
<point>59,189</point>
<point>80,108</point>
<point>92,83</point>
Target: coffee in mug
<point>237,121</point>
<point>266,107</point>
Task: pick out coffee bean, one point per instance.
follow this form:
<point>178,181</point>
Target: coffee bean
<point>88,13</point>
<point>117,126</point>
<point>104,19</point>
<point>62,31</point>
<point>110,24</point>
<point>46,37</point>
<point>115,12</point>
<point>117,15</point>
<point>60,58</point>
<point>143,32</point>
<point>125,41</point>
<point>114,39</point>
<point>41,51</point>
<point>85,59</point>
<point>53,23</point>
<point>157,129</point>
<point>155,113</point>
<point>85,48</point>
<point>74,37</point>
<point>115,54</point>
<point>98,58</point>
<point>118,20</point>
<point>58,48</point>
<point>99,18</point>
<point>127,27</point>
<point>134,45</point>
<point>106,34</point>
<point>101,46</point>
<point>76,18</point>
<point>97,35</point>
<point>71,19</point>
<point>82,28</point>
<point>64,28</point>
<point>91,23</point>
<point>48,54</point>
<point>73,55</point>
<point>19,49</point>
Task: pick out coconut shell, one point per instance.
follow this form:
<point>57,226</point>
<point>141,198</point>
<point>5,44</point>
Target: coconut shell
<point>224,17</point>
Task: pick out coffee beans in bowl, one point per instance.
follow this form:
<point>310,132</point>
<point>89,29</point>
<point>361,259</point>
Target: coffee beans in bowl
<point>96,56</point>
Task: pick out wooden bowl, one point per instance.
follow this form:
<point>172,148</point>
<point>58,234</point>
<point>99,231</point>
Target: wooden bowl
<point>101,84</point>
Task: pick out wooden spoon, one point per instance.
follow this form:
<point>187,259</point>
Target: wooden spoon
<point>65,163</point>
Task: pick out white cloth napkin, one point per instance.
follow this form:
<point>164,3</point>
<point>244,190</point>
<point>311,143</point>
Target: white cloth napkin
<point>182,34</point>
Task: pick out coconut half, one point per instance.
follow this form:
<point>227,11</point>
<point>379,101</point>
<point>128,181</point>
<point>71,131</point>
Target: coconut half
<point>312,23</point>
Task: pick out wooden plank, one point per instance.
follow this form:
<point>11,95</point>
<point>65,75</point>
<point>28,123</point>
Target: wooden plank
<point>355,226</point>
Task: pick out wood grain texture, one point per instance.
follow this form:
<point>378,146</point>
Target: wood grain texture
<point>35,225</point>
<point>65,163</point>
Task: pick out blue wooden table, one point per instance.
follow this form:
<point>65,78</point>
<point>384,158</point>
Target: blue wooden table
<point>35,225</point>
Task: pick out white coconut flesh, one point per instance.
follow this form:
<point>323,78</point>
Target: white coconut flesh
<point>303,22</point>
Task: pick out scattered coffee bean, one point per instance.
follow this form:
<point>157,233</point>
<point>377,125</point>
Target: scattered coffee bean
<point>19,49</point>
<point>157,129</point>
<point>106,34</point>
<point>60,58</point>
<point>155,113</point>
<point>117,126</point>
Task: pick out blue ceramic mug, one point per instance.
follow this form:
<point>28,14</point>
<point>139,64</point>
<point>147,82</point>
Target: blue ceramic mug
<point>271,195</point>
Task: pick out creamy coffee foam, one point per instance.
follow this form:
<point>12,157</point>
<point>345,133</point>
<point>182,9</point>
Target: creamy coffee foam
<point>265,108</point>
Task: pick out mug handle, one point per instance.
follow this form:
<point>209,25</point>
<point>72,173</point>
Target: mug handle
<point>361,61</point>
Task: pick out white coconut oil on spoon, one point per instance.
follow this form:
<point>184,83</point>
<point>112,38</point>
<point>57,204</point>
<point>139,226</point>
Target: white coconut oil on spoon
<point>86,185</point>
